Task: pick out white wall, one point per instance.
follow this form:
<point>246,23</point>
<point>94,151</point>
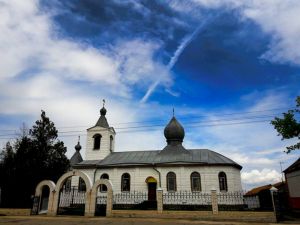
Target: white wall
<point>90,153</point>
<point>138,175</point>
<point>293,181</point>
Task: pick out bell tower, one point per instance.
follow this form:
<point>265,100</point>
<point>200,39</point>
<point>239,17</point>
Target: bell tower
<point>100,138</point>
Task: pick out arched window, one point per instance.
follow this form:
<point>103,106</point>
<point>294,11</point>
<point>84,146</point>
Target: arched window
<point>171,181</point>
<point>125,182</point>
<point>97,141</point>
<point>222,181</point>
<point>111,143</point>
<point>103,188</point>
<point>195,181</point>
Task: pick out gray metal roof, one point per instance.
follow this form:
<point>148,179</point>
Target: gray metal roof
<point>135,158</point>
<point>76,158</point>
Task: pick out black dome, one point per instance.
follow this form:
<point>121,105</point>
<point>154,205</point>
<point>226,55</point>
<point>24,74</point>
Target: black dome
<point>103,111</point>
<point>174,131</point>
<point>78,147</point>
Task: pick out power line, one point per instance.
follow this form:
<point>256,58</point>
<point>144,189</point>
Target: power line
<point>156,128</point>
<point>160,125</point>
<point>179,117</point>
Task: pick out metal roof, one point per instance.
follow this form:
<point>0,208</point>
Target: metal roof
<point>137,158</point>
<point>76,158</point>
<point>294,167</point>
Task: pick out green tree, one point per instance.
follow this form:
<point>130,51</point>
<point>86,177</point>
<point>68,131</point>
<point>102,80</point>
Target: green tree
<point>35,156</point>
<point>289,126</point>
<point>7,173</point>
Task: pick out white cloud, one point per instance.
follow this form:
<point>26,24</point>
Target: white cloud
<point>137,63</point>
<point>279,19</point>
<point>31,44</point>
<point>258,177</point>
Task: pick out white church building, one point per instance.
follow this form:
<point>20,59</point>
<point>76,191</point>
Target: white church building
<point>173,168</point>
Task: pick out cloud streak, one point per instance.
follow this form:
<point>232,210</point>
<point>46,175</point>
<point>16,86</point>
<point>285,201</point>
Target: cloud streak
<point>184,43</point>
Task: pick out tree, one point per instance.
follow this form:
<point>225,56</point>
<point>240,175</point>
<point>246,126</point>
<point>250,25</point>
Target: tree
<point>289,126</point>
<point>7,172</point>
<point>35,156</point>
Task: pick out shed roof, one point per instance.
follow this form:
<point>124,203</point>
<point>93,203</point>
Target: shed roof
<point>294,167</point>
<point>257,190</point>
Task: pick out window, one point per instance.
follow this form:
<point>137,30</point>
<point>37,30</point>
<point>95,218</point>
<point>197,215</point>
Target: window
<point>195,182</point>
<point>103,188</point>
<point>97,141</point>
<point>111,143</point>
<point>222,181</point>
<point>171,181</point>
<point>125,182</point>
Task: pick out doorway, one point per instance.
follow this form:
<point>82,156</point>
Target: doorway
<point>152,185</point>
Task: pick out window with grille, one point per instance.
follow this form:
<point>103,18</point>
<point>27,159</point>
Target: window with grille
<point>195,181</point>
<point>171,181</point>
<point>222,181</point>
<point>125,182</point>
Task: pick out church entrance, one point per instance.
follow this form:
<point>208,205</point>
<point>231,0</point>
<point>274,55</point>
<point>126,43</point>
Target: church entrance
<point>152,185</point>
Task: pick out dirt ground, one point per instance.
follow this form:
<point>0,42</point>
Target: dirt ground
<point>60,220</point>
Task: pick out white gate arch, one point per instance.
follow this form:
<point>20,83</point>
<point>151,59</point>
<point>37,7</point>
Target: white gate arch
<point>60,183</point>
<point>109,200</point>
<point>38,193</point>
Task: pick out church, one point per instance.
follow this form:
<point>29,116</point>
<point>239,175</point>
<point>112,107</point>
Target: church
<point>172,169</point>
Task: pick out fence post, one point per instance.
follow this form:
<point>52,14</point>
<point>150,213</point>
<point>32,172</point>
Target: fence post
<point>159,199</point>
<point>214,201</point>
<point>272,190</point>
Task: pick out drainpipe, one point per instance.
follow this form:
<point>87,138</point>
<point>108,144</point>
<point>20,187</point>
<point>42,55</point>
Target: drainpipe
<point>159,177</point>
<point>95,175</point>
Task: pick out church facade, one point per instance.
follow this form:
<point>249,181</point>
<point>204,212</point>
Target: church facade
<point>171,169</point>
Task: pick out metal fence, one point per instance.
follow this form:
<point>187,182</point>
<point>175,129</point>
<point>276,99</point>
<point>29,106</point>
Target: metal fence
<point>133,197</point>
<point>186,197</point>
<point>230,198</point>
<point>131,200</point>
<point>186,200</point>
<point>100,209</point>
<point>71,202</point>
<point>71,197</point>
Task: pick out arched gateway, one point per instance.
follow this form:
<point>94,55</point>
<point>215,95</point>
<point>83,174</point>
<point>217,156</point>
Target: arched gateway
<point>90,193</point>
<point>44,197</point>
<point>108,199</point>
<point>63,199</point>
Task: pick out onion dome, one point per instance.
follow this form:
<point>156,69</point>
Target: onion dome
<point>102,121</point>
<point>76,158</point>
<point>174,132</point>
<point>103,111</point>
<point>78,147</point>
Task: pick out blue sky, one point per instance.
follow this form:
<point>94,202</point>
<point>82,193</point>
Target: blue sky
<point>227,67</point>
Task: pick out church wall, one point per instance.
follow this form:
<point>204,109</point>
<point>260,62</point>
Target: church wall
<point>104,150</point>
<point>138,175</point>
<point>208,174</point>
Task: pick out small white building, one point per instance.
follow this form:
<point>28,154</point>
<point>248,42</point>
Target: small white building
<point>173,169</point>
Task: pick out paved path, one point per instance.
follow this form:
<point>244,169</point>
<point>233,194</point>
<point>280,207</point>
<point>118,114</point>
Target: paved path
<point>44,220</point>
